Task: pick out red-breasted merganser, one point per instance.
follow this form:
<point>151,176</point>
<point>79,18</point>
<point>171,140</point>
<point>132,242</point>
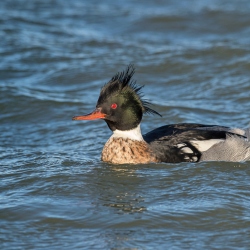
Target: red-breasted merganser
<point>121,106</point>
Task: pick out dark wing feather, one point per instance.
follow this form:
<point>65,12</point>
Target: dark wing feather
<point>168,142</point>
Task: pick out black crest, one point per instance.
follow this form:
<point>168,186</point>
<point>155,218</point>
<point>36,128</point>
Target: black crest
<point>123,82</point>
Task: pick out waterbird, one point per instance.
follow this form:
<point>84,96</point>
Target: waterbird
<point>121,105</point>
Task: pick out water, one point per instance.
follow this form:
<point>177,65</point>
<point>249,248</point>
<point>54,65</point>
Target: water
<point>193,58</point>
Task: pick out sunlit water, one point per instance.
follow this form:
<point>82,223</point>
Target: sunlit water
<point>193,58</point>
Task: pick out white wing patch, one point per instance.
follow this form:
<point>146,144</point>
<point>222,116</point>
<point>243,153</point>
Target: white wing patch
<point>188,152</point>
<point>204,145</point>
<point>185,149</point>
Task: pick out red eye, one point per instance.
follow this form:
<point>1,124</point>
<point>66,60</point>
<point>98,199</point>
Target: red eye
<point>113,106</point>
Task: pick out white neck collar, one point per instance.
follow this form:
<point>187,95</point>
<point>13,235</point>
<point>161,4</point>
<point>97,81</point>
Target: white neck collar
<point>133,134</point>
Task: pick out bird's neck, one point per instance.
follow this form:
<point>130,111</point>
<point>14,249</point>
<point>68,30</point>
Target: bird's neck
<point>133,134</point>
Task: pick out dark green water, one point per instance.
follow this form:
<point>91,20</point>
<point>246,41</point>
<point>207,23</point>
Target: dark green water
<point>193,58</point>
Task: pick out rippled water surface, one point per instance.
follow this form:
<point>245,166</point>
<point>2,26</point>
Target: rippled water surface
<point>193,58</point>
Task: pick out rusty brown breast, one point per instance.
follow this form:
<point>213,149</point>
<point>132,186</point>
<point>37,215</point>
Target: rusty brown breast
<point>124,150</point>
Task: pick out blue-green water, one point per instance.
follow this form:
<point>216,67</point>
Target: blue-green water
<point>193,58</point>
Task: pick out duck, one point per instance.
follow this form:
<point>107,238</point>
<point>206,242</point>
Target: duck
<point>121,105</point>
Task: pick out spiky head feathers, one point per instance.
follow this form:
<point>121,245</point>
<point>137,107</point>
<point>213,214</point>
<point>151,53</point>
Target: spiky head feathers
<point>121,99</point>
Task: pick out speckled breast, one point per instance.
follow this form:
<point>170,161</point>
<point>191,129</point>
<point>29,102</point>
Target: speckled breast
<point>121,151</point>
